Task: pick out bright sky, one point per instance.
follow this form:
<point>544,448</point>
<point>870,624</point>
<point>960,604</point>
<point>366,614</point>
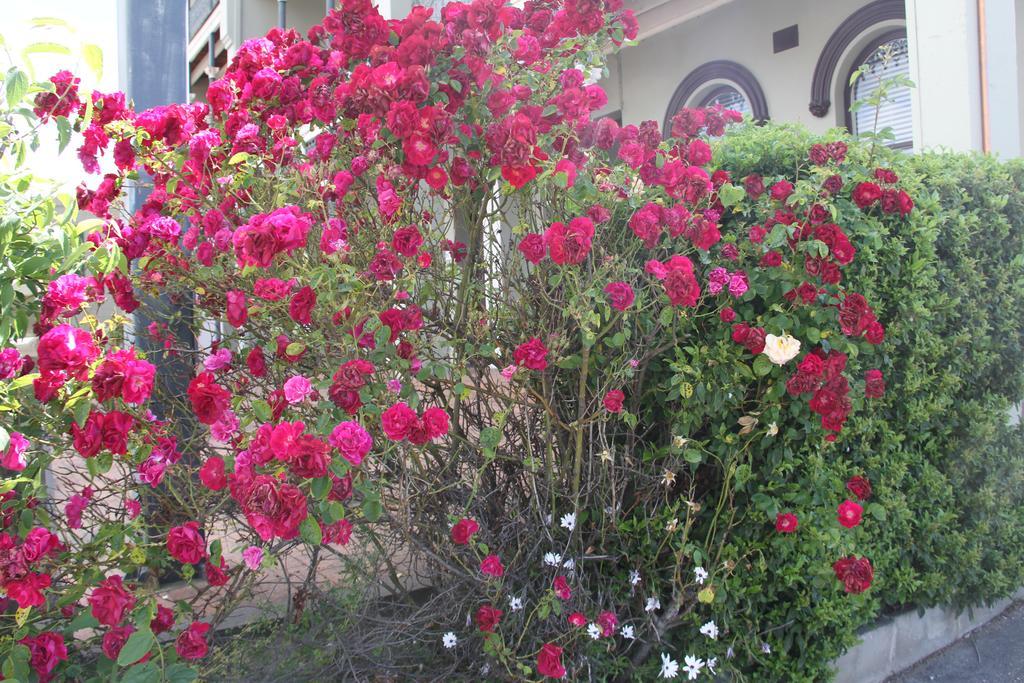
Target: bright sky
<point>90,21</point>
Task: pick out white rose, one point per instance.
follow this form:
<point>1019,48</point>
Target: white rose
<point>781,350</point>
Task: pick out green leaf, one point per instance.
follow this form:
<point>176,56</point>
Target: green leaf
<point>93,56</point>
<point>45,48</point>
<point>63,133</point>
<point>143,673</point>
<point>762,366</point>
<point>490,437</point>
<point>81,412</point>
<point>15,667</point>
<point>311,532</point>
<point>320,487</point>
<point>570,363</point>
<point>372,509</point>
<point>16,87</point>
<point>729,194</point>
<point>180,673</point>
<point>136,647</point>
<point>262,410</point>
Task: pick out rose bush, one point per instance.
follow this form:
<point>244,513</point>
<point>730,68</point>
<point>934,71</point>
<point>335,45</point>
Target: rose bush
<point>525,379</point>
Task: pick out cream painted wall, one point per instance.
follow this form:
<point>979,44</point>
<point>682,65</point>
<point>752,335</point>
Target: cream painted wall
<point>259,16</point>
<point>740,31</point>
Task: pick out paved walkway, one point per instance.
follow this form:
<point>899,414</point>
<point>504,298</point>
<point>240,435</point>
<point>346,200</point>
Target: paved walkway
<point>993,653</point>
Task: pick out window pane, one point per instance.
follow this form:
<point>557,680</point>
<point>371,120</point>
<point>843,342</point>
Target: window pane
<point>729,98</point>
<point>890,59</point>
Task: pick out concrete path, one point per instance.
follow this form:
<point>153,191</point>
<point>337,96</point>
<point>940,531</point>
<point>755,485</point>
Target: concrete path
<point>993,653</point>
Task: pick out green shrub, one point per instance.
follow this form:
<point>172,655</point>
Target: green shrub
<point>946,466</point>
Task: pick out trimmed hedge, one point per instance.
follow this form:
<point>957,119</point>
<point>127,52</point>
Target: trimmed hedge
<point>947,468</point>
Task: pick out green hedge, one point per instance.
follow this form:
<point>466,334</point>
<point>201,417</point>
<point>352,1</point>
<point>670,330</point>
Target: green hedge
<point>947,469</point>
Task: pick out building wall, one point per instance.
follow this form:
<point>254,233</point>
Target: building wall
<point>739,31</point>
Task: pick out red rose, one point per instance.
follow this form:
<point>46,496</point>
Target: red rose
<point>191,643</point>
<point>407,241</point>
<point>621,295</point>
<point>66,349</point>
<point>209,399</point>
<point>849,513</point>
<point>576,619</point>
<point>680,283</point>
<point>613,401</point>
<point>110,600</point>
<point>754,185</point>
<point>532,354</point>
<point>88,439</point>
<point>27,591</point>
<point>300,308</point>
<point>570,244</point>
<point>186,544</point>
<point>463,530</point>
<point>866,194</point>
<point>549,661</point>
<point>532,248</point>
<point>487,618</point>
<point>855,315</point>
<point>256,362</point>
<point>561,588</point>
<point>491,566</point>
<point>399,421</point>
<point>874,385</point>
<point>855,573</point>
<point>211,474</point>
<point>727,315</point>
<point>785,523</point>
<point>781,190</point>
<point>875,333</point>
<point>163,621</point>
<point>435,421</point>
<point>237,310</point>
<point>46,651</point>
<point>750,337</point>
<point>646,224</point>
<point>607,621</point>
<point>215,574</point>
<point>114,640</point>
<point>860,487</point>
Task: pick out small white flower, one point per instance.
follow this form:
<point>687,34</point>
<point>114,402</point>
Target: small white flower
<point>515,604</point>
<point>449,640</point>
<point>730,653</point>
<point>652,604</point>
<point>712,663</point>
<point>569,564</point>
<point>669,666</point>
<point>700,575</point>
<point>547,520</point>
<point>773,429</point>
<point>710,630</point>
<point>569,521</point>
<point>693,667</point>
<point>766,648</point>
<point>634,577</point>
<point>593,630</point>
<point>627,632</point>
<point>552,559</point>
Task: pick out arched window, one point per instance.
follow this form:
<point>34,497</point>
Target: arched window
<point>729,97</point>
<point>883,59</point>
